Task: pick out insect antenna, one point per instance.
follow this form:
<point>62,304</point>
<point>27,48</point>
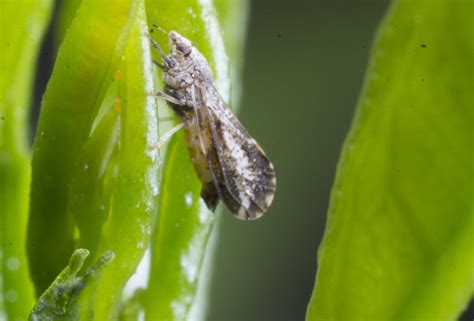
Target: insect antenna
<point>157,47</point>
<point>160,28</point>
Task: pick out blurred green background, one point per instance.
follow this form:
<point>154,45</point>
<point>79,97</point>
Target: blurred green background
<point>303,71</point>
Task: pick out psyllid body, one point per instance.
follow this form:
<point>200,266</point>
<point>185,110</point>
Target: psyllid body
<point>230,164</point>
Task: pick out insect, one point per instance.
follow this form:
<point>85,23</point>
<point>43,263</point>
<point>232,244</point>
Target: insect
<point>230,164</point>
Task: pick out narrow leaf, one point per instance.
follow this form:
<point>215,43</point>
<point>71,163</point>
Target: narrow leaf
<point>184,224</point>
<point>135,192</point>
<point>398,242</point>
<point>22,25</point>
<point>84,69</point>
<point>60,302</point>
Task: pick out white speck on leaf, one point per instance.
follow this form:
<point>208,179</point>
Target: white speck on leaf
<point>204,213</point>
<point>13,263</point>
<point>11,296</point>
<point>180,307</point>
<point>188,198</point>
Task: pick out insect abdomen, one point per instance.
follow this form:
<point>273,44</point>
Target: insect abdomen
<point>198,158</point>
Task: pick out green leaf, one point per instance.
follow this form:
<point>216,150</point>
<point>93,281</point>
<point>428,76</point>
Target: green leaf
<point>398,242</point>
<point>179,239</point>
<point>184,224</point>
<point>134,191</point>
<point>111,181</point>
<point>84,69</point>
<point>61,300</point>
<point>92,181</point>
<point>133,306</point>
<point>22,24</point>
<point>54,303</point>
<point>66,13</point>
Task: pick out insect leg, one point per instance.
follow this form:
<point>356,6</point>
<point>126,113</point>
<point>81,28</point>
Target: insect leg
<point>159,64</point>
<point>168,135</point>
<point>169,98</point>
<point>163,119</point>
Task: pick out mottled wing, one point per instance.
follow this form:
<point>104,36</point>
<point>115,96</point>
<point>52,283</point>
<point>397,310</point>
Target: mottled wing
<point>244,176</point>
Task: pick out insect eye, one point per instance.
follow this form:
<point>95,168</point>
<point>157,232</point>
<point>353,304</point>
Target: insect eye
<point>183,48</point>
<point>172,61</point>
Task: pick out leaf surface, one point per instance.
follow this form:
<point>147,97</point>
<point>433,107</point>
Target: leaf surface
<point>399,237</point>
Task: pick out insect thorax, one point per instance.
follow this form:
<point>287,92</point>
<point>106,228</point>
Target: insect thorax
<point>189,71</point>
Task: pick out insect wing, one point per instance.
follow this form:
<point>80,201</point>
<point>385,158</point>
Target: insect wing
<point>247,178</point>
